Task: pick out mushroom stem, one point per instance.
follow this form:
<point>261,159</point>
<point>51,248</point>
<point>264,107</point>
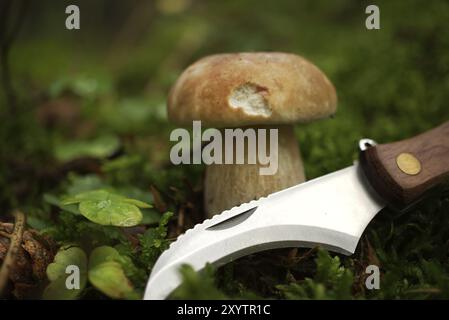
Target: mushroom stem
<point>229,185</point>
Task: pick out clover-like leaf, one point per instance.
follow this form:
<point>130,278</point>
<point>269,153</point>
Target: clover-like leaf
<point>107,275</point>
<point>53,200</point>
<point>137,203</point>
<point>68,259</point>
<point>111,212</point>
<point>106,208</point>
<point>88,195</point>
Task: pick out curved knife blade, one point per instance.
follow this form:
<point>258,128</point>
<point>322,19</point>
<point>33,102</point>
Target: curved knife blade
<point>331,211</point>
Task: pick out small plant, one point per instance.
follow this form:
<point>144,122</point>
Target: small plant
<point>104,270</point>
<point>106,208</point>
<point>114,267</point>
<point>332,281</point>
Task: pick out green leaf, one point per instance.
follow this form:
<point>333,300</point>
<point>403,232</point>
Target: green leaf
<point>102,254</point>
<point>56,273</point>
<point>53,200</point>
<point>106,208</point>
<point>198,285</point>
<point>138,203</point>
<point>102,194</point>
<point>107,274</point>
<point>111,212</point>
<point>88,195</point>
<point>99,148</point>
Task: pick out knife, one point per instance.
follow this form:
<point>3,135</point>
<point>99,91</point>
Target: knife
<point>331,211</point>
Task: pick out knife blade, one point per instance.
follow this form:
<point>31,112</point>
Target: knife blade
<point>297,216</point>
<point>331,211</point>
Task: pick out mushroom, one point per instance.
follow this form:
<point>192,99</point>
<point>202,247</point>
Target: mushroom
<point>252,90</point>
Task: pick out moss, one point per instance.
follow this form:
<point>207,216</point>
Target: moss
<point>392,83</point>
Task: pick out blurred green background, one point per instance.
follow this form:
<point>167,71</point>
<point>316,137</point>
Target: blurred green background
<point>86,108</point>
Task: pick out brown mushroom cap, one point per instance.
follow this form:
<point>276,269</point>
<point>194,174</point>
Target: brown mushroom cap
<point>238,89</point>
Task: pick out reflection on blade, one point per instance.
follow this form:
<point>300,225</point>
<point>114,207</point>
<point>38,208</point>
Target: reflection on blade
<point>331,211</point>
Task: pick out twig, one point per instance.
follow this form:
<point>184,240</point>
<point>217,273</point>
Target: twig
<point>5,234</point>
<point>14,245</point>
<point>424,290</point>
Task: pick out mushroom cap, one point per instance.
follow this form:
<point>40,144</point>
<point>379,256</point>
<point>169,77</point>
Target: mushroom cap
<point>238,89</point>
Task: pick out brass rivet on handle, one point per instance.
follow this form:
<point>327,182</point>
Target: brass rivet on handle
<point>408,163</point>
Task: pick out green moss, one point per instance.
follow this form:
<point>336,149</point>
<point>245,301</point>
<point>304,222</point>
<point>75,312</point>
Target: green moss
<point>392,83</point>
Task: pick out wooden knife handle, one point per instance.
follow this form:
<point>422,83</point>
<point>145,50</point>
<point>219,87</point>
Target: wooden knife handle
<point>402,172</point>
